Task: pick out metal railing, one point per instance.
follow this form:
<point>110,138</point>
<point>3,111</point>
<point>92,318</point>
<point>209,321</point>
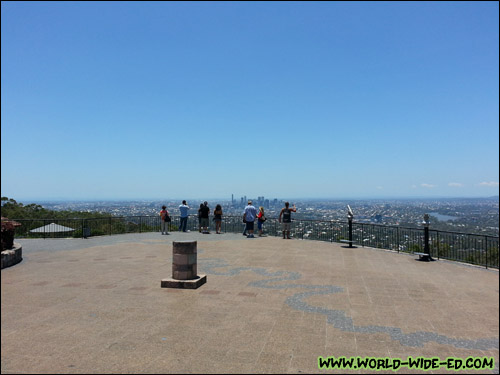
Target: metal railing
<point>464,247</point>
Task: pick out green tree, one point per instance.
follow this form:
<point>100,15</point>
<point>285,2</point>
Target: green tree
<point>414,248</point>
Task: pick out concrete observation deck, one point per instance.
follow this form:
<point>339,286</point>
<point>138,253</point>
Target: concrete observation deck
<point>269,306</point>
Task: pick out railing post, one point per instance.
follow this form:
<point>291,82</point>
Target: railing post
<point>426,239</point>
<point>437,240</point>
<point>110,225</point>
<point>397,240</point>
<point>427,249</point>
<point>350,232</point>
<point>486,245</point>
<point>350,216</point>
<point>362,235</point>
<point>140,224</point>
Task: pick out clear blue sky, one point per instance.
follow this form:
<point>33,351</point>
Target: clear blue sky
<point>125,100</point>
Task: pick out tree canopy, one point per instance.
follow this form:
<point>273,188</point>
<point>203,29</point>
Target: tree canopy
<point>16,210</point>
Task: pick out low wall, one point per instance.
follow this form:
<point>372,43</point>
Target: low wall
<point>12,256</point>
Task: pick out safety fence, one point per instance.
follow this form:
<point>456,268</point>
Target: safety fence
<point>464,247</point>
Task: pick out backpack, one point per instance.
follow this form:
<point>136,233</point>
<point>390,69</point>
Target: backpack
<point>165,216</point>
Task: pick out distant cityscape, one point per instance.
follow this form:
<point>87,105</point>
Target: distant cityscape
<point>468,215</point>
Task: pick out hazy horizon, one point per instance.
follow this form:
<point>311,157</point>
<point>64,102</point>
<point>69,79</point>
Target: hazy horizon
<point>225,199</point>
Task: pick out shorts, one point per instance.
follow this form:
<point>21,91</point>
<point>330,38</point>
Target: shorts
<point>249,225</point>
<point>204,222</point>
<point>286,226</point>
<point>259,224</point>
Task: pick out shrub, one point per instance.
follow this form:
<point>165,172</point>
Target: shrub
<point>8,230</point>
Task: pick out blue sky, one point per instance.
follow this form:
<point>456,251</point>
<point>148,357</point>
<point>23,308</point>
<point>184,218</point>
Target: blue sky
<point>139,100</point>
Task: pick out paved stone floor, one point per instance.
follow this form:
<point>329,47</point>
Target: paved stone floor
<point>269,306</point>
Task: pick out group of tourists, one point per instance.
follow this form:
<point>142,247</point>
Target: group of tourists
<point>250,214</point>
<point>203,219</point>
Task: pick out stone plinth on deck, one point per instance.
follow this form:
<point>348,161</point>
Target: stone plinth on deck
<point>184,267</point>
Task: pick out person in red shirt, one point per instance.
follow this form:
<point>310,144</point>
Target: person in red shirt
<point>260,220</point>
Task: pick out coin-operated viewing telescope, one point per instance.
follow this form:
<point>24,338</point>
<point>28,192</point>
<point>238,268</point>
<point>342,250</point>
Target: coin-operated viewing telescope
<point>350,215</point>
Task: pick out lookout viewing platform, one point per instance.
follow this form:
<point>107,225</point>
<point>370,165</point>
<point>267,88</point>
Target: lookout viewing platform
<point>269,305</point>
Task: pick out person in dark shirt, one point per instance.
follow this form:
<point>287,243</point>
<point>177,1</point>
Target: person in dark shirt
<point>218,219</point>
<point>286,213</point>
<point>204,211</point>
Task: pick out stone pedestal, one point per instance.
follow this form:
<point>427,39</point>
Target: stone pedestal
<point>184,267</point>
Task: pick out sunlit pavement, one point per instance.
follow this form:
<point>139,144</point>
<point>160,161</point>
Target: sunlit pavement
<point>269,306</point>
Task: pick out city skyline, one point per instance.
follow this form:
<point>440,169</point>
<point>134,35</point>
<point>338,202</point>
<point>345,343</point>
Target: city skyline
<point>334,100</point>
